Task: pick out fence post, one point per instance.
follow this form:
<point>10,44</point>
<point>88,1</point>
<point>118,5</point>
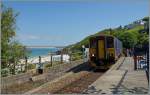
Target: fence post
<point>51,59</point>
<point>14,66</point>
<point>21,67</point>
<point>26,67</point>
<point>61,57</point>
<point>40,69</point>
<point>70,58</point>
<point>39,59</point>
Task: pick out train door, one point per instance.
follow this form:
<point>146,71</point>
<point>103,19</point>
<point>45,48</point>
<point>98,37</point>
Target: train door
<point>101,48</point>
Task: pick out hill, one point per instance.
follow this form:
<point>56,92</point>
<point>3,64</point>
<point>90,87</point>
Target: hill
<point>131,35</point>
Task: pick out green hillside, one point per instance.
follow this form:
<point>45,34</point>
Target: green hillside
<point>85,41</point>
<point>131,35</point>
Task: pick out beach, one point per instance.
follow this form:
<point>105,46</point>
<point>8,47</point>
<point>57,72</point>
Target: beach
<point>46,58</point>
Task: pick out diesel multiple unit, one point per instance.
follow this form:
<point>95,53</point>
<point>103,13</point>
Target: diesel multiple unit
<point>104,50</point>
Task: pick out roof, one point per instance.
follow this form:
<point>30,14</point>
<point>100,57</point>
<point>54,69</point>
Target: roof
<point>102,35</point>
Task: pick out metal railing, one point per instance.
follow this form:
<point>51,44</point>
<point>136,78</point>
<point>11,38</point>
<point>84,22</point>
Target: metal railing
<point>141,61</point>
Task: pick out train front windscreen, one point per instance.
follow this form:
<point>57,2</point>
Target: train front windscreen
<point>110,42</point>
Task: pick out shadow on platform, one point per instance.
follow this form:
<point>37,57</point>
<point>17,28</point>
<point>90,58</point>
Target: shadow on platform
<point>123,89</point>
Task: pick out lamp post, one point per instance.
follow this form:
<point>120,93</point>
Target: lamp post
<point>83,47</point>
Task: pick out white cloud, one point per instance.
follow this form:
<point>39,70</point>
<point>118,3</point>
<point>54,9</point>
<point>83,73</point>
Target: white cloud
<point>39,37</point>
<point>32,37</point>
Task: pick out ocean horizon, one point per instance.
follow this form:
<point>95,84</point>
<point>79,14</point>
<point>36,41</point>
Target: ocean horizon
<point>35,52</point>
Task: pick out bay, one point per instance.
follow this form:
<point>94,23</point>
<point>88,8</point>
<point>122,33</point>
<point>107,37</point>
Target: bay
<point>35,52</point>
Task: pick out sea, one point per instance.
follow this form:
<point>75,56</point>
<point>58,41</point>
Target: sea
<point>35,52</point>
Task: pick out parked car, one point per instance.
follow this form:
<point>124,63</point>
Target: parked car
<point>143,64</point>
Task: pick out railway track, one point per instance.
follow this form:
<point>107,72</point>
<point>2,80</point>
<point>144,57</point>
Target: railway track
<point>53,73</point>
<point>81,84</point>
<point>77,82</point>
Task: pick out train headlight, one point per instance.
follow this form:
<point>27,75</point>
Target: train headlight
<point>93,55</point>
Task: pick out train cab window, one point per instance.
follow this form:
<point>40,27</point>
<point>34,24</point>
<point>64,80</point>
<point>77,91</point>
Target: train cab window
<point>93,44</point>
<point>110,42</point>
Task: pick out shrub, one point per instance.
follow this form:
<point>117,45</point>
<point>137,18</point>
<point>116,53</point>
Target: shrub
<point>31,66</point>
<point>47,65</point>
<point>5,72</point>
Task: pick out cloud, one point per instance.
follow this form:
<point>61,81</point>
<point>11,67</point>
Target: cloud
<point>32,37</point>
<point>39,37</point>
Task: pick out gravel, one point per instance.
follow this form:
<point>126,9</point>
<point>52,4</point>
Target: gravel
<point>51,74</point>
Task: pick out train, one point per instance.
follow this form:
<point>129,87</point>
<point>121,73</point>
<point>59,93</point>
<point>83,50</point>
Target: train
<point>104,50</point>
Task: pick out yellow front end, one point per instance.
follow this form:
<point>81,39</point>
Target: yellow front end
<point>111,52</point>
<point>111,55</point>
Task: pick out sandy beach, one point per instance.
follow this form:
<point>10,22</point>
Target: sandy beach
<point>35,60</point>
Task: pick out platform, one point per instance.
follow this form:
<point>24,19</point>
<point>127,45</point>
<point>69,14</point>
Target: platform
<point>134,82</point>
<point>121,79</point>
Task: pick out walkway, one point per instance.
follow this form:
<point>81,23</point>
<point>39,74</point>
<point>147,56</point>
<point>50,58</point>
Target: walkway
<point>134,82</point>
<point>121,79</point>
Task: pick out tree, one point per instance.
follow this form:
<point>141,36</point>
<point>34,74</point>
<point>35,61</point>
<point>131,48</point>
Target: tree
<point>143,39</point>
<point>7,28</point>
<point>129,39</point>
<point>146,25</point>
<point>11,50</point>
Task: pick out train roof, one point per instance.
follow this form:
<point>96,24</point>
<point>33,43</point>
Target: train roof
<point>102,35</point>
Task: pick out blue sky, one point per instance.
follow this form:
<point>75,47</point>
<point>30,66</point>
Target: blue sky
<point>63,23</point>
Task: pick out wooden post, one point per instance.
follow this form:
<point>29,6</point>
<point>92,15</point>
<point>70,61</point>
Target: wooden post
<point>26,67</point>
<point>70,58</point>
<point>21,67</point>
<point>51,59</point>
<point>39,59</point>
<point>61,57</point>
<point>40,70</point>
<point>14,67</point>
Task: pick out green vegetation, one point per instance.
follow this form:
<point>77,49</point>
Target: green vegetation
<point>76,55</point>
<point>54,63</point>
<point>48,65</point>
<point>31,66</point>
<point>11,50</point>
<point>5,72</point>
<point>130,37</point>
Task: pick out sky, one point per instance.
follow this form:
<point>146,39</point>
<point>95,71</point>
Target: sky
<point>62,22</point>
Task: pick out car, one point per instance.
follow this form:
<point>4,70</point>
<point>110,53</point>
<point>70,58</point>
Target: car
<point>143,64</point>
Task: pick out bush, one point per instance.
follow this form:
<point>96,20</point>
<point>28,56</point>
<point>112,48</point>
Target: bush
<point>31,66</point>
<point>5,72</point>
<point>76,56</point>
<point>128,39</point>
<point>48,65</point>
